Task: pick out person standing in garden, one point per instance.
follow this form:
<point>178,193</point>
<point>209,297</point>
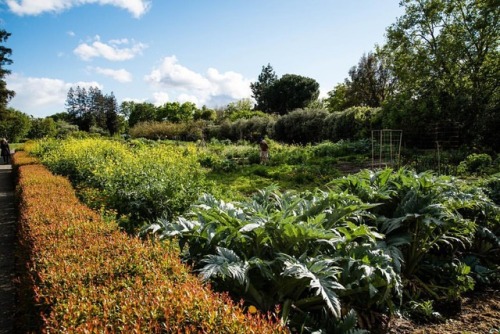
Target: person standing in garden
<point>264,151</point>
<point>4,145</point>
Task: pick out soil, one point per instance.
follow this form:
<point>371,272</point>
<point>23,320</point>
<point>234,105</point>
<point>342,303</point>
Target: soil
<point>480,314</point>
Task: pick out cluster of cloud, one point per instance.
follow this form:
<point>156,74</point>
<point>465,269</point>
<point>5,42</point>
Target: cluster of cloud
<point>46,95</point>
<point>120,75</point>
<point>114,50</point>
<point>35,7</point>
<point>189,85</point>
<point>169,81</point>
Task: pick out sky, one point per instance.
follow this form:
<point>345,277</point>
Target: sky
<point>202,51</point>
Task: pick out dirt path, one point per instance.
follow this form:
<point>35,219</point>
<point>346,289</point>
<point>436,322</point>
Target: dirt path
<point>7,247</point>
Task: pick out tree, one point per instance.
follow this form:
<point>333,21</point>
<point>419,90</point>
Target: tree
<point>292,92</point>
<point>337,98</point>
<point>80,107</point>
<point>204,113</point>
<point>5,94</point>
<point>14,125</point>
<point>111,114</point>
<point>42,127</point>
<point>369,83</point>
<point>260,89</point>
<point>446,56</point>
<point>141,112</point>
<point>91,108</point>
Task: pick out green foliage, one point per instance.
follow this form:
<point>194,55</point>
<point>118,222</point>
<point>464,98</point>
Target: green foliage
<point>430,225</point>
<point>369,84</point>
<point>337,98</point>
<point>300,126</point>
<point>42,127</point>
<point>351,124</point>
<point>14,125</point>
<point>89,108</point>
<point>341,148</point>
<point>261,88</point>
<point>424,311</point>
<point>242,128</point>
<point>186,131</point>
<point>310,251</point>
<point>443,54</point>
<point>5,52</point>
<point>142,182</point>
<point>475,164</point>
<point>292,92</point>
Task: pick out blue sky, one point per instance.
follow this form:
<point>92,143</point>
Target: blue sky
<point>204,51</point>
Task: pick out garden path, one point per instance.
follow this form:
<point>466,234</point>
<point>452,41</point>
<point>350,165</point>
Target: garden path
<point>8,222</point>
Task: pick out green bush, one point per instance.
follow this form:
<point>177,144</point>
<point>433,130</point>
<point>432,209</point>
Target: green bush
<point>300,250</point>
<point>475,164</point>
<point>142,182</point>
<point>186,131</point>
<point>300,126</point>
<point>352,123</point>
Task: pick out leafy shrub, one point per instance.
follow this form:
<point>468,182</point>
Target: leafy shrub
<point>430,224</point>
<point>186,131</point>
<point>87,277</point>
<point>303,251</point>
<point>342,148</point>
<point>475,164</point>
<point>141,182</point>
<point>241,129</point>
<point>352,123</point>
<point>300,126</point>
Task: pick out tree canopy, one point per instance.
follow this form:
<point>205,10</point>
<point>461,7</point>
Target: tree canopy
<point>285,94</point>
<point>445,55</point>
<point>260,89</point>
<point>5,52</point>
<point>90,108</point>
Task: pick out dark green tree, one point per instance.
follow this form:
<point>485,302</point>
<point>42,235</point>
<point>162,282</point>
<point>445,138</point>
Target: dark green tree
<point>111,114</point>
<point>141,112</point>
<point>97,107</point>
<point>90,108</point>
<point>42,127</point>
<point>261,88</point>
<point>446,56</point>
<point>14,125</point>
<point>337,98</point>
<point>370,82</point>
<point>5,94</point>
<point>292,92</point>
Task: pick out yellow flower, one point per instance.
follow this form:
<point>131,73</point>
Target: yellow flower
<point>252,309</point>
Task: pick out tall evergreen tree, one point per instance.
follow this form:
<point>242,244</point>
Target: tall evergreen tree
<point>261,88</point>
<point>111,113</point>
<point>5,94</point>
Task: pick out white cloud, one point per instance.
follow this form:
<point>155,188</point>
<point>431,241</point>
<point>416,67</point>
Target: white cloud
<point>171,74</point>
<point>160,98</point>
<point>120,75</point>
<point>46,96</point>
<point>110,51</point>
<point>189,85</point>
<point>34,7</point>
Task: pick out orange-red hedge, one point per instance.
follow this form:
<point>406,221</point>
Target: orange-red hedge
<point>89,277</point>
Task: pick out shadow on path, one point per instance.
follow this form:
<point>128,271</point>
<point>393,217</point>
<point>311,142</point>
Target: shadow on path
<point>8,223</point>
